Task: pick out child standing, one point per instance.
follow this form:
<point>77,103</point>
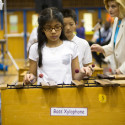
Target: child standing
<point>53,56</point>
<point>85,56</point>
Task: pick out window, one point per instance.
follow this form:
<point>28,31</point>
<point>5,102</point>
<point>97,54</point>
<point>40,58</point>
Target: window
<point>13,20</point>
<point>88,22</point>
<point>34,20</point>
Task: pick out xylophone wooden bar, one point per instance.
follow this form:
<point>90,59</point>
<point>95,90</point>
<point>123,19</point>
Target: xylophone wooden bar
<point>106,83</point>
<point>3,86</point>
<point>118,77</point>
<point>78,83</point>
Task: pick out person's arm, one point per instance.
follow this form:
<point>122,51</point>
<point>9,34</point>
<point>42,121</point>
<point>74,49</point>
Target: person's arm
<point>33,67</point>
<point>84,71</point>
<point>108,49</point>
<point>31,77</point>
<point>105,50</point>
<point>97,48</point>
<point>33,58</point>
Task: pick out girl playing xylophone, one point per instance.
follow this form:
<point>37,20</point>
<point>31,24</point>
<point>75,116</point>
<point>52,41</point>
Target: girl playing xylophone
<point>53,56</point>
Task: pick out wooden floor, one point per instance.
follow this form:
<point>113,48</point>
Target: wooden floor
<point>11,76</point>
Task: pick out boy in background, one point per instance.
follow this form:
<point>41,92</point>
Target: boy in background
<point>70,19</point>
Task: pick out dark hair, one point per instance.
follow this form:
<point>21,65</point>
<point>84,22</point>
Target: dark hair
<point>69,13</point>
<point>46,16</point>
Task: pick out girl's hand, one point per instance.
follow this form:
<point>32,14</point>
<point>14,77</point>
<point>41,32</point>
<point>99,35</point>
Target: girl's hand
<point>97,48</point>
<point>29,79</point>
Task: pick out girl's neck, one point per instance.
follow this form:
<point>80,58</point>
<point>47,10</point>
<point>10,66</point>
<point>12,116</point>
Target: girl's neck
<point>52,44</point>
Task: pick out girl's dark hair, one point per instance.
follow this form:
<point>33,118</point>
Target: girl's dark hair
<point>46,16</point>
<point>69,13</point>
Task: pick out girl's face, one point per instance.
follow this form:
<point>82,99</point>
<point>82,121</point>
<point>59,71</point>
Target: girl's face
<point>69,27</point>
<point>113,9</point>
<point>53,31</point>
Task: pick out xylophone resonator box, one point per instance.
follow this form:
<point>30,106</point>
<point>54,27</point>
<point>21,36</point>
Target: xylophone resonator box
<point>63,105</point>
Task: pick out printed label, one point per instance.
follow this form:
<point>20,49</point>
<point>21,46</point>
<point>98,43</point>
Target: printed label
<point>68,111</point>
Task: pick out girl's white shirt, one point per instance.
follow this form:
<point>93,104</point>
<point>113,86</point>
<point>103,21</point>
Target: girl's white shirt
<point>56,62</point>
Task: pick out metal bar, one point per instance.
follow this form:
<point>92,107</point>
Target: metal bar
<point>99,13</point>
<point>9,54</point>
<point>1,21</point>
<point>77,14</point>
<point>5,20</point>
<point>25,33</point>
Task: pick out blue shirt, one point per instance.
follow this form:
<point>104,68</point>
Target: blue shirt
<point>81,32</point>
<point>116,31</point>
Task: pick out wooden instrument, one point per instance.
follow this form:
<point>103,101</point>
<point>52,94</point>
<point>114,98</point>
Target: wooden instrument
<point>64,104</point>
<point>104,80</point>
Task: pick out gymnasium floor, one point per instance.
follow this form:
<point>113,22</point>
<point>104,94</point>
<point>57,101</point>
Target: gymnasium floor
<point>11,75</point>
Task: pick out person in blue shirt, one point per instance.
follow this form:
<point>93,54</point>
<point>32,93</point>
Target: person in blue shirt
<point>80,31</point>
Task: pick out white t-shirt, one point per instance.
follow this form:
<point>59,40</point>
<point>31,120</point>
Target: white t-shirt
<point>56,62</point>
<point>84,50</point>
<point>32,38</point>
